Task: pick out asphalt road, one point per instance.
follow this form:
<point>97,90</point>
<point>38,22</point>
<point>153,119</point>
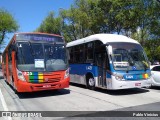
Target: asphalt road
<point>85,104</point>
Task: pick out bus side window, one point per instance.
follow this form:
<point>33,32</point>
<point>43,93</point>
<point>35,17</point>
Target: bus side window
<point>102,52</point>
<point>77,54</point>
<point>107,61</point>
<point>71,56</point>
<point>97,49</point>
<point>4,57</point>
<point>89,50</point>
<point>68,55</point>
<point>82,54</point>
<point>10,55</point>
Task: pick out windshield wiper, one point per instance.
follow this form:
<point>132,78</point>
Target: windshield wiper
<point>31,49</point>
<point>145,65</point>
<point>22,56</point>
<point>130,61</point>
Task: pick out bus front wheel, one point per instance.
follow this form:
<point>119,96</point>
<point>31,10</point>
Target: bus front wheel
<point>13,85</point>
<point>90,82</point>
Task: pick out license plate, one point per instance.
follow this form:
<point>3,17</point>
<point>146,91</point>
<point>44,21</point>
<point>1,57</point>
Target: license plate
<point>137,84</point>
<point>46,86</point>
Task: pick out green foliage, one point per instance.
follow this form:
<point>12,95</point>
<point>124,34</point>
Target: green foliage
<point>146,12</point>
<point>78,22</point>
<point>50,24</point>
<point>7,24</point>
<point>152,48</point>
<point>139,19</point>
<point>87,17</point>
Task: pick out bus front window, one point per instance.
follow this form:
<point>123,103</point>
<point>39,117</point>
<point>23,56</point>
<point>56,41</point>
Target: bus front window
<point>129,56</point>
<point>41,57</point>
<point>56,57</point>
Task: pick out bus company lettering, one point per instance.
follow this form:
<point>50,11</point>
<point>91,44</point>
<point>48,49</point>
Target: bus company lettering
<point>43,38</point>
<point>38,38</point>
<point>121,64</point>
<point>89,67</point>
<point>129,76</point>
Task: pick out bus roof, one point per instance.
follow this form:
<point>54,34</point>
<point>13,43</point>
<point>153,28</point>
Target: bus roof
<point>40,33</point>
<point>37,33</point>
<point>104,38</point>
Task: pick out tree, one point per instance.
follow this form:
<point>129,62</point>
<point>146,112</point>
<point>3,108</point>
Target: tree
<point>148,31</point>
<point>87,17</point>
<point>138,19</point>
<point>7,24</point>
<point>50,24</point>
<point>79,21</point>
<point>154,15</point>
<point>152,48</point>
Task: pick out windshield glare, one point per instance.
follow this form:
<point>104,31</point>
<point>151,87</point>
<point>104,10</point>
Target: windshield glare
<point>129,56</point>
<point>41,57</point>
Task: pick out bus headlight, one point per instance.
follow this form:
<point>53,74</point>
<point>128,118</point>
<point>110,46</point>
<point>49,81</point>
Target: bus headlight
<point>118,77</point>
<point>66,73</point>
<point>20,76</point>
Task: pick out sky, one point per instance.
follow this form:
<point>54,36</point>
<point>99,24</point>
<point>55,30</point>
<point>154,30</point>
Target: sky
<point>30,13</point>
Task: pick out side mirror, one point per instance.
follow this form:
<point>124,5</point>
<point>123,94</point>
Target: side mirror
<point>110,49</point>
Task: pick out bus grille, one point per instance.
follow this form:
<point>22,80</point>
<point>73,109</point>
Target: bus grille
<point>44,78</point>
<point>53,79</point>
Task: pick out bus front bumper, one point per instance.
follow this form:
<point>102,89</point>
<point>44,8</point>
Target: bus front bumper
<point>31,87</point>
<point>129,84</point>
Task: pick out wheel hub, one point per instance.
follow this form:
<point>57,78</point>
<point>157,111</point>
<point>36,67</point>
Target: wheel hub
<point>91,82</point>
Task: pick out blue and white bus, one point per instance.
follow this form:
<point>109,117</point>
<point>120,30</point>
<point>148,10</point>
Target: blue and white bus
<point>108,61</point>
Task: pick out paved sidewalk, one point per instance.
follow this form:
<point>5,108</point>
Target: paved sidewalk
<point>1,75</point>
<point>1,106</point>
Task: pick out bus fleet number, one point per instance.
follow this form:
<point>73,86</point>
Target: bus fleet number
<point>27,73</point>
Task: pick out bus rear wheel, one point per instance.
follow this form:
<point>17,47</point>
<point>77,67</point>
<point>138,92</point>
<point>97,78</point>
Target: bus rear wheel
<point>90,83</point>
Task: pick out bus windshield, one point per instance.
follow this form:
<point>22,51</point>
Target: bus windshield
<point>41,56</point>
<point>129,56</point>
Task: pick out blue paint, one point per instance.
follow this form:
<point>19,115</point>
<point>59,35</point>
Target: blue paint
<point>35,74</point>
<point>134,68</point>
<point>83,69</point>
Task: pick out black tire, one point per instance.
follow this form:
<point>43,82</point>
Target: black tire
<point>149,87</point>
<point>13,86</point>
<point>90,82</point>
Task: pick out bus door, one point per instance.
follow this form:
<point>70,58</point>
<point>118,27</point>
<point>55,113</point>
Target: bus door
<point>101,64</point>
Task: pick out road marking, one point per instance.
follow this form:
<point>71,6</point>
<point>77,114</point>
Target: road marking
<point>4,105</point>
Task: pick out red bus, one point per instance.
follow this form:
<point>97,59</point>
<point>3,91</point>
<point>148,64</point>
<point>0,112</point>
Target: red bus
<point>36,62</point>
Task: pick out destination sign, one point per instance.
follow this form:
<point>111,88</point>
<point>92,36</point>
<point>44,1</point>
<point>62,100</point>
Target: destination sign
<point>39,37</point>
